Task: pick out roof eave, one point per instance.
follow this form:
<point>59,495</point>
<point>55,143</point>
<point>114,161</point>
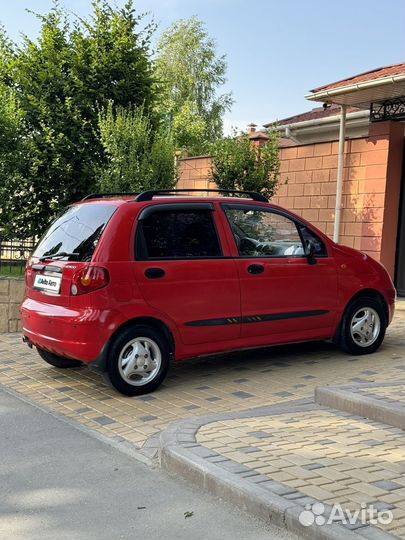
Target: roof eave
<point>332,95</point>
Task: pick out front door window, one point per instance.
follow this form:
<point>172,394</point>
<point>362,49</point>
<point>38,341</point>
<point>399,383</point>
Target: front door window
<point>260,233</point>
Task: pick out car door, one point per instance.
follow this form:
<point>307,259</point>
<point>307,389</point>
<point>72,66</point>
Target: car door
<point>184,270</point>
<point>283,296</point>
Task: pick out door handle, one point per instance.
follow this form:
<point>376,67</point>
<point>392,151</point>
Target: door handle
<point>255,269</point>
<point>154,273</point>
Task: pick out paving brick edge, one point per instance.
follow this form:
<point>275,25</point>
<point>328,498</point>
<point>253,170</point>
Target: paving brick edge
<point>176,447</point>
<point>346,399</point>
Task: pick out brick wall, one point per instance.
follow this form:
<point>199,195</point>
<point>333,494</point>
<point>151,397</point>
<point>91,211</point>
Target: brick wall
<point>372,176</point>
<point>11,295</point>
<point>195,173</point>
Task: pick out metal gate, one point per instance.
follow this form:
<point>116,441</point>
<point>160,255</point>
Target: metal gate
<point>400,263</point>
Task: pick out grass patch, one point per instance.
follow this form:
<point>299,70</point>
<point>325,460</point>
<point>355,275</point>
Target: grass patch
<point>12,271</point>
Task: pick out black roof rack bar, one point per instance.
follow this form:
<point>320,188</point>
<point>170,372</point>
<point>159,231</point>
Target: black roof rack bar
<point>117,194</point>
<point>148,195</point>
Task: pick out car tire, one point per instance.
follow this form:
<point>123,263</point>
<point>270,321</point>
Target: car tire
<point>58,361</point>
<point>363,326</point>
<point>138,360</point>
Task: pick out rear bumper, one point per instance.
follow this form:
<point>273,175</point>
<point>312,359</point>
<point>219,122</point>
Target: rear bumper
<point>80,334</point>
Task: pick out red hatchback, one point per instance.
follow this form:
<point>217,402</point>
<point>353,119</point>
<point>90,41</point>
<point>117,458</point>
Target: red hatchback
<point>131,282</point>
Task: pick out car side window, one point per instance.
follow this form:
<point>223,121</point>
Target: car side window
<point>309,236</point>
<point>261,233</point>
<point>177,234</point>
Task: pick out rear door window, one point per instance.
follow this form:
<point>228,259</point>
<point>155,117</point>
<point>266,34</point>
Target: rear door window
<point>177,234</point>
<point>77,232</point>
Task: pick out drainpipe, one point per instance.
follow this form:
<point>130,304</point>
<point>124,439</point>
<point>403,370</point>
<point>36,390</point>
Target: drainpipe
<point>339,186</point>
<point>289,135</point>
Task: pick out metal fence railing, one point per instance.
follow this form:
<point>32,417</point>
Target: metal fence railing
<point>14,254</point>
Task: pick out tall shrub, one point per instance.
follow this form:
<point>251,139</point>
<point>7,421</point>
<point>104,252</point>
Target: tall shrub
<point>139,156</point>
<point>239,164</point>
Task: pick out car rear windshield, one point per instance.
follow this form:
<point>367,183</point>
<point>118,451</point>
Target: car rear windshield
<point>75,232</point>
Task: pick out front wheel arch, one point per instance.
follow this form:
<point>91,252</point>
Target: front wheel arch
<point>366,293</point>
<point>345,338</point>
<point>371,293</point>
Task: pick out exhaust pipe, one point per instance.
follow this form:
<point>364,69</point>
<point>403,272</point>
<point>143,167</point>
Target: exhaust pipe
<point>27,341</point>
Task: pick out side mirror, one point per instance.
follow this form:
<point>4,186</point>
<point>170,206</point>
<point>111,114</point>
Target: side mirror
<point>310,250</point>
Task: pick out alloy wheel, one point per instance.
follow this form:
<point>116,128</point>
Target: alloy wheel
<point>365,326</point>
<point>139,361</point>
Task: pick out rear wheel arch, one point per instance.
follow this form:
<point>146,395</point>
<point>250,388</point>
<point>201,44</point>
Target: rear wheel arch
<point>138,358</point>
<point>147,321</point>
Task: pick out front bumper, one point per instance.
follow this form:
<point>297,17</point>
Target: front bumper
<point>391,297</point>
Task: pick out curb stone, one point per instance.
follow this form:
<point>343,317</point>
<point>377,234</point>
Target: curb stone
<point>345,398</point>
<point>181,454</point>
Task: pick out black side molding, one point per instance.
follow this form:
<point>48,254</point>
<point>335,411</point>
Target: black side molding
<point>258,318</point>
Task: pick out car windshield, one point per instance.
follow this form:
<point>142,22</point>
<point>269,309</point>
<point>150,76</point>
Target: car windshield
<point>75,234</point>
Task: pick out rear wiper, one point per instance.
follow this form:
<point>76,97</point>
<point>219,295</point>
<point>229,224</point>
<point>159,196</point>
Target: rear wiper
<point>57,255</point>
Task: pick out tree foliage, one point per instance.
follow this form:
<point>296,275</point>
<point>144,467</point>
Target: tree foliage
<point>61,81</point>
<point>239,164</point>
<point>139,155</point>
<point>14,161</point>
<point>189,74</point>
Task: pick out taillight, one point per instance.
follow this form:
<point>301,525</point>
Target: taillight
<point>89,279</point>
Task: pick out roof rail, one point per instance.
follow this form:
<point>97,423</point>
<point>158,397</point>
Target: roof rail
<point>117,194</point>
<point>148,195</point>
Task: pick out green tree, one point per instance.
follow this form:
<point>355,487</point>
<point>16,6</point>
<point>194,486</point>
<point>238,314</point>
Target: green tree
<point>61,81</point>
<point>112,58</point>
<point>239,164</point>
<point>189,74</point>
<point>14,160</point>
<point>11,118</point>
<point>139,156</point>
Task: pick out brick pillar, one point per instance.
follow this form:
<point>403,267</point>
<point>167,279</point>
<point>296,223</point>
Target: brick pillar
<point>393,132</point>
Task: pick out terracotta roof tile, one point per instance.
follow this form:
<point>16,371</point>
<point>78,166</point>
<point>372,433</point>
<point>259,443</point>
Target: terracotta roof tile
<point>314,114</point>
<point>380,73</point>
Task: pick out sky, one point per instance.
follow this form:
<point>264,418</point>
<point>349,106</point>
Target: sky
<point>276,50</point>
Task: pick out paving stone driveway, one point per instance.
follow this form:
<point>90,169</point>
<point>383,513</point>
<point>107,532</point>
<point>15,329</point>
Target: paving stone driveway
<point>323,455</point>
<point>226,383</point>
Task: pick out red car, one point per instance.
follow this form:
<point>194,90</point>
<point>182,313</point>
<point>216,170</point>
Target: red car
<point>131,282</point>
